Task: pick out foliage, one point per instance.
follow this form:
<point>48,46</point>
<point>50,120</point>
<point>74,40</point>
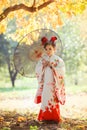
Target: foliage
<point>33,128</point>
<point>4,50</point>
<point>5,128</point>
<point>73,47</point>
<point>43,10</point>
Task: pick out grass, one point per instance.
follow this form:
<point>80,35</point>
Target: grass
<point>24,87</point>
<point>73,89</point>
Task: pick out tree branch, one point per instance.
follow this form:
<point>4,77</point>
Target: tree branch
<point>34,3</point>
<point>24,7</point>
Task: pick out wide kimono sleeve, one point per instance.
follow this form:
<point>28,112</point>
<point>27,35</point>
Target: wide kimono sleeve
<point>38,70</point>
<point>59,77</point>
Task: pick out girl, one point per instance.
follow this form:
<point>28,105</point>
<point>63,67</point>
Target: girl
<point>50,74</point>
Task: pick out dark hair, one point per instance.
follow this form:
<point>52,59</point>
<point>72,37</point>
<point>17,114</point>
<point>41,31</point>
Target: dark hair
<point>49,43</point>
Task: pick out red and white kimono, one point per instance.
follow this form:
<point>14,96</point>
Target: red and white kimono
<point>51,90</point>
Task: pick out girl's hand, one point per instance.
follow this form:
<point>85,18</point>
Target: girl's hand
<point>53,65</point>
<point>46,63</point>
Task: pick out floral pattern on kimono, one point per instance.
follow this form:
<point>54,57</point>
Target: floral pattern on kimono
<point>51,87</point>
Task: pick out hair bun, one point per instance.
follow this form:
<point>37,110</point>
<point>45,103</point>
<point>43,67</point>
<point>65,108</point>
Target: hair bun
<point>53,39</point>
<point>44,40</point>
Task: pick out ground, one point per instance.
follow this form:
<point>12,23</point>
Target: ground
<point>20,113</point>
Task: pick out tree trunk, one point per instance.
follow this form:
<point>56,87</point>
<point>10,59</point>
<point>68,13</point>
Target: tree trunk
<point>13,78</point>
<point>76,80</point>
<point>13,74</point>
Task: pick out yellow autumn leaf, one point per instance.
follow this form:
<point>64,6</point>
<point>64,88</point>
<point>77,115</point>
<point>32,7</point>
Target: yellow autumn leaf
<point>60,22</point>
<point>78,8</point>
<point>21,118</point>
<point>2,28</point>
<point>3,2</point>
<point>69,14</point>
<point>1,119</point>
<point>7,124</point>
<point>62,8</point>
<point>80,127</point>
<point>82,7</point>
<point>11,15</point>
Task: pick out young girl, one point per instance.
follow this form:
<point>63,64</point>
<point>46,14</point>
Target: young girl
<point>50,74</point>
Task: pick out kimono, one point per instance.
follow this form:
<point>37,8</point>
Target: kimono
<point>51,87</point>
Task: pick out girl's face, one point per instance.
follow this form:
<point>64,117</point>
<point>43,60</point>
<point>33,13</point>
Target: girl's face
<point>49,50</point>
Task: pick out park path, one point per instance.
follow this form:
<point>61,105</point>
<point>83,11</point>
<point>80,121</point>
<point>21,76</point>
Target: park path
<point>75,106</point>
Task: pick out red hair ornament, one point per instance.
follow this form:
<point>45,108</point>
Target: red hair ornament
<point>44,40</point>
<point>53,39</point>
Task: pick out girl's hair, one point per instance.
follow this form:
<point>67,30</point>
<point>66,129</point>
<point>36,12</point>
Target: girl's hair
<point>51,42</point>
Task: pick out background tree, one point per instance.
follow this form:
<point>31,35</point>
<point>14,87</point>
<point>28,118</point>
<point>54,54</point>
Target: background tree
<point>6,58</point>
<point>73,49</point>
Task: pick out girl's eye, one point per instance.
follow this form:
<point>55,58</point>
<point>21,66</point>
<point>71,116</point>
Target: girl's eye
<point>50,49</point>
<point>46,49</point>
